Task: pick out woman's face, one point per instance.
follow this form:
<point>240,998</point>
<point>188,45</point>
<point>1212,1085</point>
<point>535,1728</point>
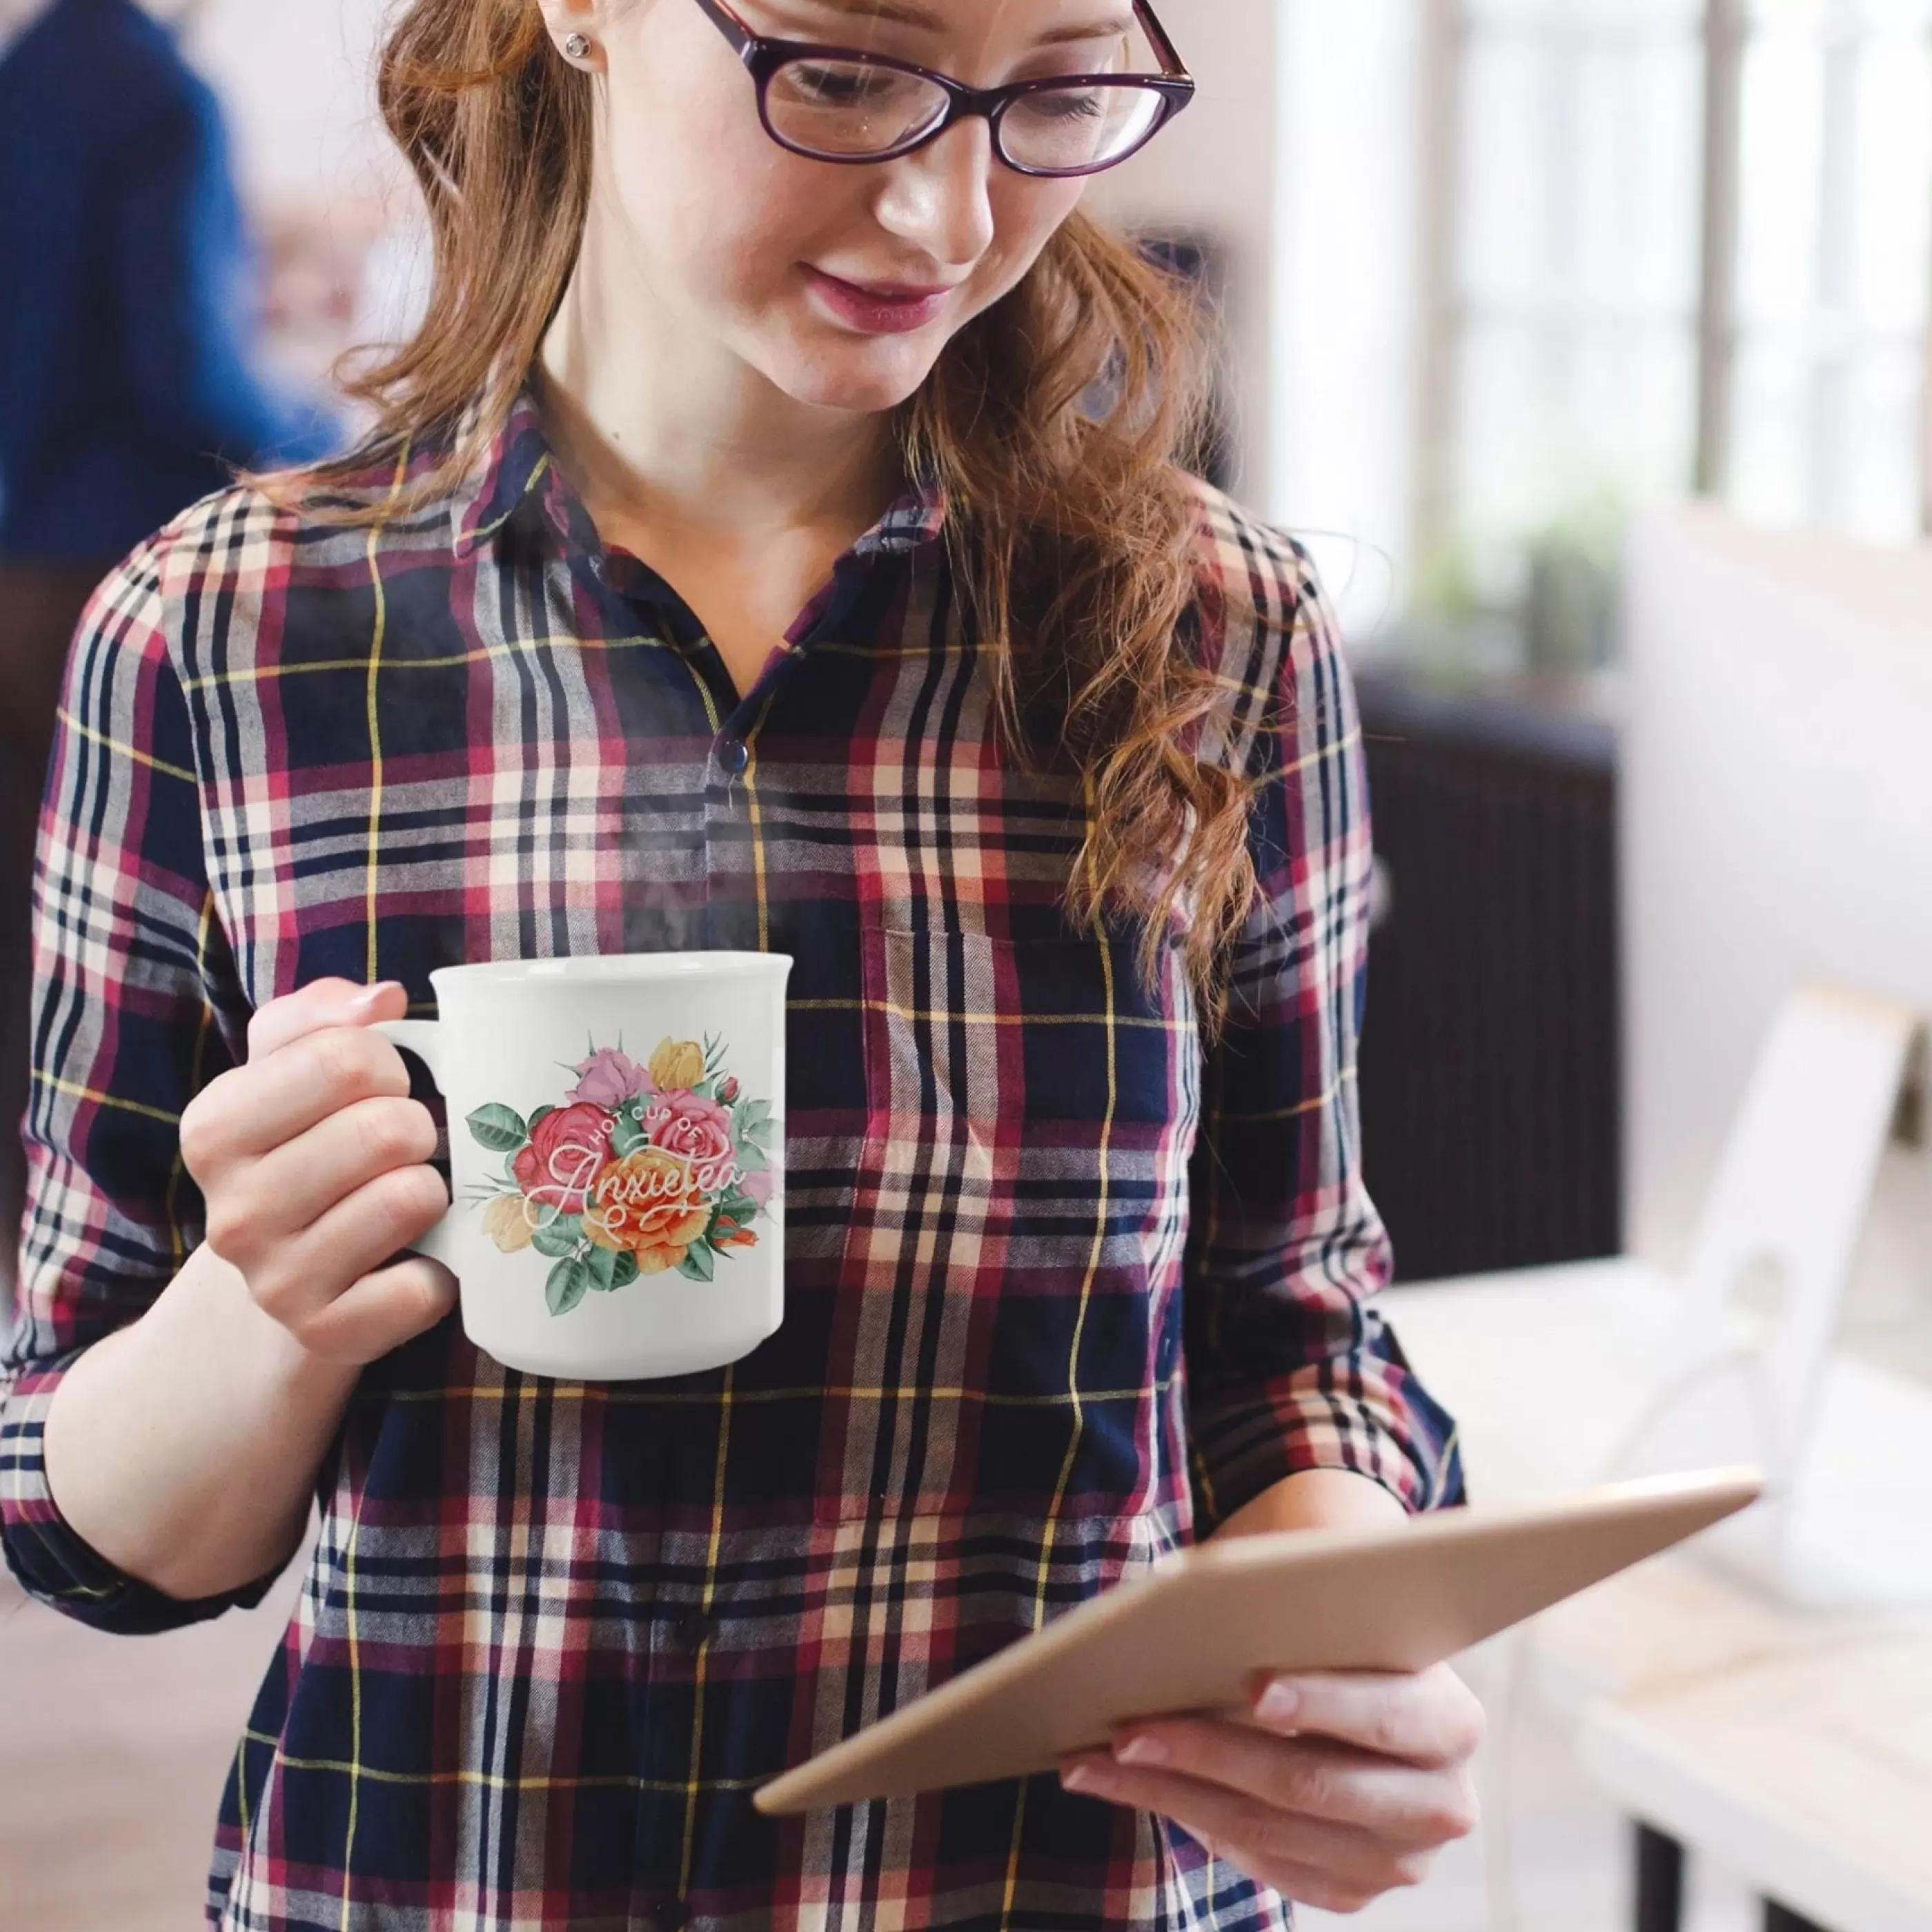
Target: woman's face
<point>769,253</point>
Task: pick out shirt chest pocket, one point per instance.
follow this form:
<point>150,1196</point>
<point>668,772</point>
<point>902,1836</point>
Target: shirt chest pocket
<point>991,1046</point>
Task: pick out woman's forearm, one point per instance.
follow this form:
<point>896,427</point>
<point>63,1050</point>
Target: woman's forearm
<point>184,1449</point>
<point>1317,1499</point>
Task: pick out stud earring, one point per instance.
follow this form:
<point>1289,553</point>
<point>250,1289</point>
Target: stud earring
<point>577,47</point>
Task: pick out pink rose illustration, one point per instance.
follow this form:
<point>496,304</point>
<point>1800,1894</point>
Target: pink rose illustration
<point>607,1079</point>
<point>568,1149</point>
<point>697,1131</point>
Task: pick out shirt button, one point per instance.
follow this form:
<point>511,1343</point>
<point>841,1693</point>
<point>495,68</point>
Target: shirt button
<point>733,756</point>
<point>672,1916</point>
<point>694,1630</point>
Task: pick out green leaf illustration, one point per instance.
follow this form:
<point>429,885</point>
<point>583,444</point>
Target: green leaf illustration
<point>627,1136</point>
<point>700,1264</point>
<point>569,1283</point>
<point>602,1263</point>
<point>626,1271</point>
<point>755,1119</point>
<point>498,1128</point>
<point>540,1114</point>
<point>751,1157</point>
<point>563,1236</point>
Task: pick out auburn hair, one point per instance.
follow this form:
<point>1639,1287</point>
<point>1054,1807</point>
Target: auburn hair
<point>1061,425</point>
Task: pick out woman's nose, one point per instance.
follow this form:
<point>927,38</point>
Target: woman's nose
<point>941,197</point>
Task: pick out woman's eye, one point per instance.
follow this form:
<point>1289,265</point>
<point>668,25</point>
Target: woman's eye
<point>821,83</point>
<point>837,87</point>
<point>1067,105</point>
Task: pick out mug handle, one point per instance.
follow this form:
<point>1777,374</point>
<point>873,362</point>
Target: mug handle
<point>424,1038</point>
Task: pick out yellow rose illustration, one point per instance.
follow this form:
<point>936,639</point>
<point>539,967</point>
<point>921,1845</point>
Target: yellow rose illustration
<point>648,1205</point>
<point>507,1222</point>
<point>677,1066</point>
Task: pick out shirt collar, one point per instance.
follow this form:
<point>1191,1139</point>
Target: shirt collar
<point>516,482</point>
<point>514,466</point>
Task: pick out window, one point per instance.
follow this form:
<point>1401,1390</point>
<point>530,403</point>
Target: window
<point>1827,403</point>
<point>1567,327</point>
<point>1676,245</point>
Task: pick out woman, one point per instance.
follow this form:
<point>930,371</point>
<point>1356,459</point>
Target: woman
<point>773,539</point>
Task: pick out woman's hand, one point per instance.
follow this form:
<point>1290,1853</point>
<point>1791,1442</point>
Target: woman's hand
<point>1335,1790</point>
<point>313,1162</point>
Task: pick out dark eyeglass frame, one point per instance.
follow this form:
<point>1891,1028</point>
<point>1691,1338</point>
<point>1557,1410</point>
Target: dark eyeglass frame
<point>763,57</point>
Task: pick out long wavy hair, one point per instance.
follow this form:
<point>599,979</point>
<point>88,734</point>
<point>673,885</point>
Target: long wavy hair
<point>1061,425</point>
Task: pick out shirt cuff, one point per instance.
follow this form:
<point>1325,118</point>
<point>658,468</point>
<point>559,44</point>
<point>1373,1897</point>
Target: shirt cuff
<point>1363,1413</point>
<point>53,1563</point>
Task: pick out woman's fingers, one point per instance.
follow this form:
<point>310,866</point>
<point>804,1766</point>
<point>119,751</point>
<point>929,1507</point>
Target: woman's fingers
<point>382,1311</point>
<point>300,1280</point>
<point>1340,1789</point>
<point>1307,1885</point>
<point>312,1160</point>
<point>291,1186</point>
<point>1432,1719</point>
<point>1261,1838</point>
<point>252,1110</point>
<point>1310,1777</point>
<point>319,1006</point>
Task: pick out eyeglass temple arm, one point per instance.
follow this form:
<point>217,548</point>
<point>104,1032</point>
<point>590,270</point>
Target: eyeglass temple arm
<point>1169,53</point>
<point>727,23</point>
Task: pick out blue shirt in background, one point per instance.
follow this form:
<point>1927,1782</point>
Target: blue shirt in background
<point>127,292</point>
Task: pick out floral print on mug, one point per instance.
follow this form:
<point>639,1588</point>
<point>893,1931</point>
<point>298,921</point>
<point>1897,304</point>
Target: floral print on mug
<point>644,1169</point>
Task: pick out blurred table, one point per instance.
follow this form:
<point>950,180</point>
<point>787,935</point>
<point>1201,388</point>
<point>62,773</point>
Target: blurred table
<point>1797,1745</point>
<point>1810,1773</point>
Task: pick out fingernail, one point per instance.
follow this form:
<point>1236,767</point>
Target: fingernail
<point>1079,1777</point>
<point>371,996</point>
<point>1143,1750</point>
<point>1280,1704</point>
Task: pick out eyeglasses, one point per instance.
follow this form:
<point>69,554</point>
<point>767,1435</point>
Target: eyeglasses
<point>840,104</point>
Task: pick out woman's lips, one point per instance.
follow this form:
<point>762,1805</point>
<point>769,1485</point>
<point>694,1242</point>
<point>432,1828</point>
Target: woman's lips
<point>878,309</point>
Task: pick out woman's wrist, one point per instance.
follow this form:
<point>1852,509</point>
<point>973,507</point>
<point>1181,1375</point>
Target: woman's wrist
<point>146,1433</point>
<point>1317,1499</point>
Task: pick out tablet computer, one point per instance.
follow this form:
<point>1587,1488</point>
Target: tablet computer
<point>1194,1633</point>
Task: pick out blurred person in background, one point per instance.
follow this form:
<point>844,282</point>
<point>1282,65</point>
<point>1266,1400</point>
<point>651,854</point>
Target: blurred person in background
<point>126,392</point>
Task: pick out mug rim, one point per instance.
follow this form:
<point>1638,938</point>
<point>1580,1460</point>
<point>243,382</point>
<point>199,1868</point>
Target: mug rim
<point>612,969</point>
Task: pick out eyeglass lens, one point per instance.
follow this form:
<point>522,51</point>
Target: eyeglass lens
<point>853,108</point>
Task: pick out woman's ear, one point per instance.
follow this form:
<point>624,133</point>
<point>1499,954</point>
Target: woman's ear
<point>575,30</point>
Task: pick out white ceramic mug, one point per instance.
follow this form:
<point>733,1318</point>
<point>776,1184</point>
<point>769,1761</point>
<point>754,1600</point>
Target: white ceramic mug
<point>616,1141</point>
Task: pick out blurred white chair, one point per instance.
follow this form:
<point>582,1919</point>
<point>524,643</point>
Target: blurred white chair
<point>1563,1377</point>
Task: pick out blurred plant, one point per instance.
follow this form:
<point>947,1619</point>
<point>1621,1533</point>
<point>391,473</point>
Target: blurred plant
<point>1554,584</point>
<point>1570,609</point>
<point>1448,581</point>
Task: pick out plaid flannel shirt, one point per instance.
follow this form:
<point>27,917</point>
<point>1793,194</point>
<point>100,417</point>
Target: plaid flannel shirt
<point>1064,1289</point>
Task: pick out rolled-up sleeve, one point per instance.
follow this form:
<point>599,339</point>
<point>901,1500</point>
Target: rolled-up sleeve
<point>1290,1366</point>
<point>125,1030</point>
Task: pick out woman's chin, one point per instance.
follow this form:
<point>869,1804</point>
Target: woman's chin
<point>856,376</point>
